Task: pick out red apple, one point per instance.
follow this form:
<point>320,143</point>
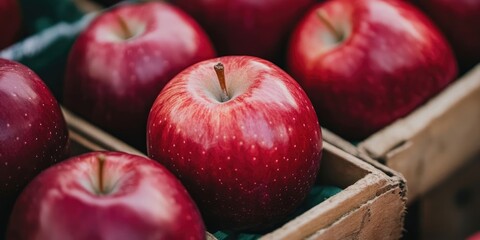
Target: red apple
<point>366,63</point>
<point>105,195</point>
<point>248,151</point>
<point>33,132</point>
<point>246,27</point>
<point>459,21</point>
<point>119,64</point>
<point>9,22</point>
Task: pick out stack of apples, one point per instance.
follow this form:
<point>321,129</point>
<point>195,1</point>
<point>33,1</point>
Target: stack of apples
<point>235,136</point>
<point>246,126</point>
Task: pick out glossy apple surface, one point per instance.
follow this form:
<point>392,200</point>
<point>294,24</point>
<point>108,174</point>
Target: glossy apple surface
<point>119,64</point>
<point>459,21</point>
<point>246,27</point>
<point>10,19</point>
<point>248,161</point>
<point>368,63</point>
<point>105,195</point>
<point>33,132</point>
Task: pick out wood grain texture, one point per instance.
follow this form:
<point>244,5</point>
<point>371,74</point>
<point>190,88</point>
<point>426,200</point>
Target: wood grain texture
<point>341,211</point>
<point>375,219</point>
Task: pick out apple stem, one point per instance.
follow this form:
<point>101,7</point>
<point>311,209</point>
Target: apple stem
<point>125,30</point>
<point>322,16</point>
<point>220,70</point>
<point>101,167</point>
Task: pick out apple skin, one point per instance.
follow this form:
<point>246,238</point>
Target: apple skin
<point>33,132</point>
<point>113,82</point>
<point>392,60</point>
<point>246,27</point>
<point>247,162</point>
<point>10,22</point>
<point>458,20</point>
<point>141,200</point>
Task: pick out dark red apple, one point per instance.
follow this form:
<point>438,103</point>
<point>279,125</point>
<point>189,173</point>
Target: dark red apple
<point>366,63</point>
<point>33,132</point>
<point>105,195</point>
<point>247,147</point>
<point>10,19</point>
<point>459,20</point>
<point>246,27</point>
<point>119,64</point>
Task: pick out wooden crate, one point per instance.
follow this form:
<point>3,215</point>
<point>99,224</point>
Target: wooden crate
<point>432,142</point>
<point>372,204</point>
